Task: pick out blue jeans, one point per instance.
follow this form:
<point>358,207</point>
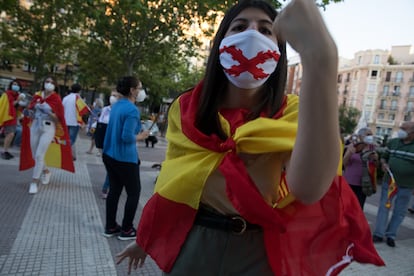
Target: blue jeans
<point>399,204</point>
<point>18,136</point>
<point>73,134</point>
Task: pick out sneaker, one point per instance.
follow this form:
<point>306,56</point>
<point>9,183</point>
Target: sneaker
<point>390,242</point>
<point>128,235</point>
<point>411,210</point>
<point>7,155</point>
<point>33,188</point>
<point>377,239</point>
<point>112,232</point>
<point>46,177</point>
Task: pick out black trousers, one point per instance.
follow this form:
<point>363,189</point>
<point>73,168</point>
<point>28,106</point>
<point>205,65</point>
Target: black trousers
<point>359,194</point>
<point>122,174</point>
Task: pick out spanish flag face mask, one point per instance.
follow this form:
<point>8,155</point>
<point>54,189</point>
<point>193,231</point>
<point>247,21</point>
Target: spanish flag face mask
<point>248,58</point>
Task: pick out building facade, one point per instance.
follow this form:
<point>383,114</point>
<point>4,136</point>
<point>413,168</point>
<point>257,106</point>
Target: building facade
<point>379,83</point>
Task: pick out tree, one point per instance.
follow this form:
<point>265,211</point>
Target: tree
<point>348,119</point>
<point>107,39</point>
<point>40,35</point>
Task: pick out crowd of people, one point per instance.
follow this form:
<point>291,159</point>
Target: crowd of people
<point>244,165</point>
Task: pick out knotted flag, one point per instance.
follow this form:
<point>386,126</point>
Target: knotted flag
<point>299,239</point>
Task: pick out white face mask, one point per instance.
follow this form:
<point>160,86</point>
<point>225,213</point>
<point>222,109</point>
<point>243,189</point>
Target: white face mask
<point>49,86</point>
<point>248,58</point>
<point>369,139</point>
<point>141,95</point>
<point>112,99</point>
<point>402,134</point>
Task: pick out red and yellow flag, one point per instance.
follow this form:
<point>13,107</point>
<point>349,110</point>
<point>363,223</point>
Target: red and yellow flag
<point>4,109</point>
<point>82,108</point>
<point>392,189</point>
<point>299,239</point>
<point>59,153</point>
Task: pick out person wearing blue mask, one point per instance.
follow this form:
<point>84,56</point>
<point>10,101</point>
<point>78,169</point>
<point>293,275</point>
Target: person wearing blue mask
<point>8,118</point>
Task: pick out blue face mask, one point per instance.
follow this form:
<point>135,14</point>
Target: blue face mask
<point>15,88</point>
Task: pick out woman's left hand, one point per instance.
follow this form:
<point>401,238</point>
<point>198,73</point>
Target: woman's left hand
<point>135,254</point>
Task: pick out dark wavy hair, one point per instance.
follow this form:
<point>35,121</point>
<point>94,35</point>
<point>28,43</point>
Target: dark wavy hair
<point>215,81</point>
<point>14,81</point>
<point>125,84</point>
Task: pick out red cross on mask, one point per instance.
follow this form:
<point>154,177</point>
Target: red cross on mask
<point>248,58</point>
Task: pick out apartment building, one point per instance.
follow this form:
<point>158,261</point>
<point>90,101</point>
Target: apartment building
<point>380,83</point>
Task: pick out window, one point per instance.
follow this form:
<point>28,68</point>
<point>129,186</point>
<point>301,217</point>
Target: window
<point>388,76</point>
<point>374,74</point>
<point>356,75</point>
<point>391,117</point>
<point>381,116</point>
<point>411,93</point>
<point>396,91</point>
<point>399,76</point>
<point>348,75</point>
<point>376,59</point>
<point>383,103</point>
<point>394,105</point>
<point>369,101</point>
<point>410,106</point>
<point>371,87</point>
<point>359,59</point>
<point>385,90</point>
<point>339,78</point>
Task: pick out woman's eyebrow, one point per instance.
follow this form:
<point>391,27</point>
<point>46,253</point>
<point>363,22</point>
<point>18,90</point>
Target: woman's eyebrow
<point>244,20</point>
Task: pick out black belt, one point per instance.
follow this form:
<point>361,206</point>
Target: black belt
<point>211,219</point>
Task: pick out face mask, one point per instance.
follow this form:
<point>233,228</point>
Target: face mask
<point>402,134</point>
<point>248,58</point>
<point>141,95</point>
<point>49,86</point>
<point>112,99</point>
<point>369,139</point>
<point>15,88</point>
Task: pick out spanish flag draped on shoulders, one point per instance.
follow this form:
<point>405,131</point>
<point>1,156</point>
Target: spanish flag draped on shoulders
<point>316,239</point>
<point>7,109</point>
<point>59,153</point>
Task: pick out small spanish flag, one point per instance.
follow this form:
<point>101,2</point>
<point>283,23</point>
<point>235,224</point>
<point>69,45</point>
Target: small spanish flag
<point>392,189</point>
<point>372,171</point>
<point>81,108</point>
<point>4,109</point>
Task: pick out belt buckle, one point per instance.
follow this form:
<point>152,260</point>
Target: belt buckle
<point>244,225</point>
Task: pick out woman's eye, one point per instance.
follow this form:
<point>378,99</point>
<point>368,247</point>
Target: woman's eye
<point>265,31</point>
<point>238,28</point>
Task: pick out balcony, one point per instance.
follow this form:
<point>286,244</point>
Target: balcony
<point>385,122</point>
<point>395,80</point>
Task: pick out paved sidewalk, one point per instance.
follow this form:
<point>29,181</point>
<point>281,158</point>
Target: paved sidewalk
<point>58,231</point>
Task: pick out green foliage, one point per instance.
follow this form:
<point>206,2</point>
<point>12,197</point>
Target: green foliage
<point>101,40</point>
<point>348,119</point>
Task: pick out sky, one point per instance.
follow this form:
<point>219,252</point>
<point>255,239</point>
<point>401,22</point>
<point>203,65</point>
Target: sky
<point>369,24</point>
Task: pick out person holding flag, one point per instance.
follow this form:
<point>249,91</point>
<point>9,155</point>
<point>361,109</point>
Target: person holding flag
<point>8,115</point>
<point>74,108</point>
<point>45,138</point>
<point>397,185</point>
